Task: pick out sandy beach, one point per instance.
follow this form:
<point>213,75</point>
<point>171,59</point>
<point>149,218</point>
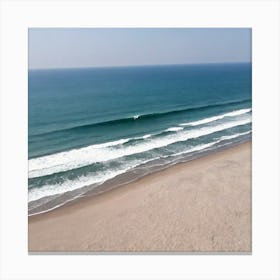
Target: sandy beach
<point>200,206</point>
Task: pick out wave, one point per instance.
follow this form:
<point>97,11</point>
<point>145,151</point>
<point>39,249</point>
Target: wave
<point>111,144</point>
<point>215,118</point>
<point>83,181</point>
<point>172,129</point>
<point>141,137</point>
<point>235,135</point>
<point>208,145</point>
<point>81,157</point>
<point>144,117</point>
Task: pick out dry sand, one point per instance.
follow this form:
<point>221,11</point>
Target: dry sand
<point>200,206</point>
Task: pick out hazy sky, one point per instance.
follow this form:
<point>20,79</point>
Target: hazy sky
<point>91,47</point>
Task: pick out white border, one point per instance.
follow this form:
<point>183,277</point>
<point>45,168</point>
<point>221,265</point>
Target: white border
<point>262,16</point>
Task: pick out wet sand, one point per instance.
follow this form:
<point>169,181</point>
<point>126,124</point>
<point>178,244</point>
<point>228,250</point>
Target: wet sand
<point>200,206</point>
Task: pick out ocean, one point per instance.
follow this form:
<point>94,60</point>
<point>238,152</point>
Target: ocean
<point>91,129</point>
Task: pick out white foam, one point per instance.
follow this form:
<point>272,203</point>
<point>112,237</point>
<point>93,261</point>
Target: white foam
<point>76,158</point>
<point>111,144</point>
<point>136,117</point>
<point>218,117</point>
<point>142,137</point>
<point>70,185</point>
<point>176,128</point>
<point>234,136</point>
<point>82,181</point>
<point>208,145</point>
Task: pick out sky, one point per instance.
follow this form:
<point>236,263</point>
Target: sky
<point>102,47</point>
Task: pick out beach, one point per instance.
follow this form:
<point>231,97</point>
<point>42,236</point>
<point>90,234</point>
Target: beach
<point>203,205</point>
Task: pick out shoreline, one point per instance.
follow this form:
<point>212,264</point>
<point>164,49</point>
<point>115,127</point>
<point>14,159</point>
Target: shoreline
<point>127,178</point>
<point>157,191</point>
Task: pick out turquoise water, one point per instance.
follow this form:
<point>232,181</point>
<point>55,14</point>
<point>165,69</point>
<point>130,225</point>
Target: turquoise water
<point>87,126</point>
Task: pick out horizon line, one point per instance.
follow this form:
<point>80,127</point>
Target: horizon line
<point>137,65</point>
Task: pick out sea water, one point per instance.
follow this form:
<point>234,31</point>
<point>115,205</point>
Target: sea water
<point>90,126</point>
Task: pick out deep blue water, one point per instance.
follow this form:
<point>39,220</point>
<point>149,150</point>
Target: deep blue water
<point>89,125</point>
